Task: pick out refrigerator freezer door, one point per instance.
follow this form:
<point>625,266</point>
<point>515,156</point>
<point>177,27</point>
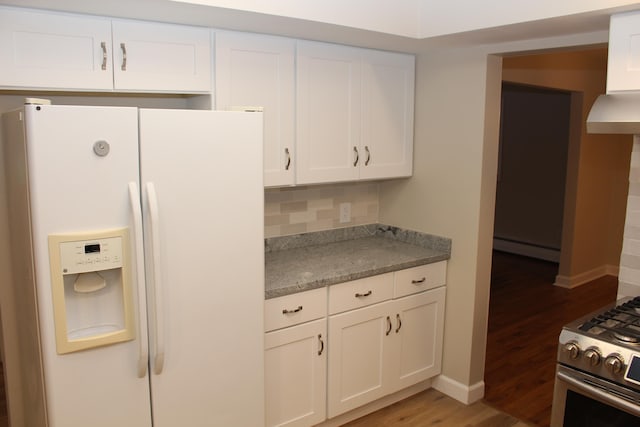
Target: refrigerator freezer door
<point>206,172</point>
<point>73,189</point>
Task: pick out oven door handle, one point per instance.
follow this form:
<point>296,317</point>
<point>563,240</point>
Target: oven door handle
<point>602,395</point>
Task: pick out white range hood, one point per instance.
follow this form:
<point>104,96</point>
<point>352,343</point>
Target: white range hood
<point>615,113</point>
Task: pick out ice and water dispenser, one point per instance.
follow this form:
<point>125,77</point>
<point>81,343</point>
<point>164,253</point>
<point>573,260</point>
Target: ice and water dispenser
<point>91,284</point>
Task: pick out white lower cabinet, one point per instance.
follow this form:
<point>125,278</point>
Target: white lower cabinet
<point>419,329</point>
<point>383,348</point>
<point>295,375</point>
<point>359,342</point>
<point>384,334</point>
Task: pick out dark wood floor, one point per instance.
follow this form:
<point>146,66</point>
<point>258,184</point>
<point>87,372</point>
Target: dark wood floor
<point>526,314</point>
<point>4,419</point>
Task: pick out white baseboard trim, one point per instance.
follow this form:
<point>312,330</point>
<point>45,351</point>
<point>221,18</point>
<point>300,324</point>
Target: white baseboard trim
<point>526,250</point>
<point>582,278</point>
<point>458,391</point>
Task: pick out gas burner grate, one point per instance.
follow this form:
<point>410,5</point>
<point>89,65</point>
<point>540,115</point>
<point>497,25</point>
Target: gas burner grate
<point>623,322</point>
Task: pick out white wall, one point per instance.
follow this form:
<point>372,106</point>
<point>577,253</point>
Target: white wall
<point>451,195</point>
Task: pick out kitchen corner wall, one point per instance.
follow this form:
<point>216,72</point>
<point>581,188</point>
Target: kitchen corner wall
<point>629,276</point>
<point>293,210</point>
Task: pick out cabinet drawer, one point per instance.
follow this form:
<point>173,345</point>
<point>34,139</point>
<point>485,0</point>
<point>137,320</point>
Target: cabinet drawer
<point>360,293</point>
<point>293,309</point>
<point>418,279</point>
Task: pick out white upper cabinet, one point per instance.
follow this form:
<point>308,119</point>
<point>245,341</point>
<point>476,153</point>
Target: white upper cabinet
<point>48,50</point>
<point>328,113</point>
<point>54,50</point>
<point>623,69</point>
<point>259,71</point>
<point>149,56</point>
<point>354,113</point>
<point>387,114</point>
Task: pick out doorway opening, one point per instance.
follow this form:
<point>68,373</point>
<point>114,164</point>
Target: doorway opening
<point>580,251</point>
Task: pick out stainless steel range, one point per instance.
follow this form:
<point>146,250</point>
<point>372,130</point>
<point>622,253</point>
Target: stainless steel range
<point>598,371</point>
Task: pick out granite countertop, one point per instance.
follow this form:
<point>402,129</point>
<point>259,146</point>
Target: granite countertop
<point>314,260</point>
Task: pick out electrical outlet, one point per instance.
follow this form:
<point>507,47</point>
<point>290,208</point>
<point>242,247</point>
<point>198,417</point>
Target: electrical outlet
<point>345,212</point>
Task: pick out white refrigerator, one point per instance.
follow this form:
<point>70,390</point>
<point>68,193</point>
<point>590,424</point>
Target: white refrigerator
<point>138,266</point>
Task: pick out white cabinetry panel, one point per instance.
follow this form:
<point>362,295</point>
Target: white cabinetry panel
<point>387,114</point>
<point>328,112</point>
<point>49,50</point>
<point>54,50</point>
<point>258,71</point>
<point>623,69</point>
<point>354,113</point>
<point>419,327</point>
<point>151,56</point>
<point>358,357</point>
<point>295,375</point>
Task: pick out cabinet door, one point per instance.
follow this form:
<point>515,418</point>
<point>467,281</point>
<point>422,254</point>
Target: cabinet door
<point>295,375</point>
<point>358,357</point>
<point>419,325</point>
<point>252,71</point>
<point>161,57</point>
<point>387,114</point>
<point>623,68</point>
<point>328,113</point>
<point>54,50</point>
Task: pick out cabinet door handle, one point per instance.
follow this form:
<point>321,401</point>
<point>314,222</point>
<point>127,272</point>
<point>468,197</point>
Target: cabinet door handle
<point>123,67</point>
<point>296,310</point>
<point>399,323</point>
<point>389,326</point>
<point>286,153</point>
<point>355,162</point>
<point>321,345</point>
<point>103,45</point>
<point>366,294</point>
<point>366,148</point>
<point>417,282</point>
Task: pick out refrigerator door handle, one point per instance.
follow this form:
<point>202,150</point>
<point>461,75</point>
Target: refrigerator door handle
<point>136,210</point>
<point>158,343</point>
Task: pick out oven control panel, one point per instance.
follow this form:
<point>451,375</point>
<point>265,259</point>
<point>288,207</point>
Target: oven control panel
<point>606,359</point>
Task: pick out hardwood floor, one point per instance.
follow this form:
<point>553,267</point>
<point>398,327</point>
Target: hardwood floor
<point>432,408</point>
<point>526,314</point>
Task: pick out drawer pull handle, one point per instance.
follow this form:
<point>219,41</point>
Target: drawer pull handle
<point>366,148</point>
<point>123,67</point>
<point>285,311</point>
<point>366,294</point>
<point>355,162</point>
<point>389,326</point>
<point>103,46</point>
<point>418,282</point>
<point>399,323</point>
<point>321,345</point>
<point>286,153</point>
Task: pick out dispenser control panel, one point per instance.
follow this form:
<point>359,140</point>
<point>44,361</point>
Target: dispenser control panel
<point>82,256</point>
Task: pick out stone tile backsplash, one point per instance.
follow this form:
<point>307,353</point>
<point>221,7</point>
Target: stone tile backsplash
<point>293,210</point>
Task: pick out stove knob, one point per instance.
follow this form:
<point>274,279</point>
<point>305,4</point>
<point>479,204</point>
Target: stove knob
<point>593,355</point>
<point>573,349</point>
<point>614,363</point>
